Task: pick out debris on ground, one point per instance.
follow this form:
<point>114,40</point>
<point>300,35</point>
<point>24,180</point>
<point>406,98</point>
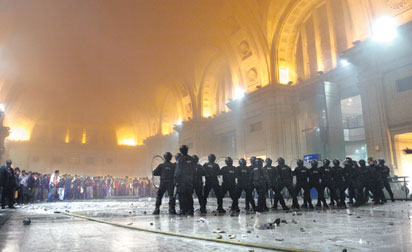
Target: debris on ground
<point>218,231</point>
<point>201,220</point>
<point>277,239</point>
<point>284,221</point>
<point>130,224</point>
<point>219,237</point>
<point>232,236</point>
<point>302,230</point>
<point>391,223</point>
<point>248,231</point>
<point>144,212</point>
<point>26,221</point>
<point>151,223</point>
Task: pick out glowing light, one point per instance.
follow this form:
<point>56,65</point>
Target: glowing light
<point>239,93</point>
<point>179,123</point>
<point>126,136</point>
<point>19,134</point>
<point>284,75</point>
<point>384,30</point>
<point>206,112</point>
<point>344,62</point>
<point>128,142</point>
<point>84,136</point>
<point>2,107</point>
<point>166,128</point>
<point>67,138</point>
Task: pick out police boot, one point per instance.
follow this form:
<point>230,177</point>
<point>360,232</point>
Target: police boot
<point>221,210</point>
<point>325,204</point>
<point>203,210</point>
<point>172,211</point>
<point>304,205</point>
<point>318,204</point>
<point>156,211</point>
<point>311,206</point>
<point>332,203</point>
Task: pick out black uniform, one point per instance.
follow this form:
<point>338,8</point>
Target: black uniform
<point>184,176</point>
<point>385,172</point>
<point>9,184</point>
<point>229,185</point>
<point>286,180</point>
<point>315,181</point>
<point>275,185</point>
<point>166,171</point>
<point>327,182</point>
<point>349,169</point>
<point>259,180</point>
<point>198,184</point>
<point>376,182</point>
<point>302,182</point>
<point>243,174</point>
<point>360,183</point>
<point>212,171</point>
<point>339,179</point>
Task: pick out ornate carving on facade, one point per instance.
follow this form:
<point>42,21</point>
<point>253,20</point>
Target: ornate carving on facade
<point>252,76</point>
<point>398,4</point>
<point>244,50</point>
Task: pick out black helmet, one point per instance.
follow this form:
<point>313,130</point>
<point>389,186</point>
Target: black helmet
<point>362,162</point>
<point>381,161</point>
<point>268,161</point>
<point>326,162</point>
<point>281,161</point>
<point>336,162</point>
<point>314,163</point>
<point>348,159</point>
<point>184,149</point>
<point>195,159</point>
<point>211,158</point>
<point>229,161</point>
<point>253,160</point>
<point>168,156</point>
<point>242,162</point>
<point>178,156</point>
<point>259,162</point>
<point>299,162</point>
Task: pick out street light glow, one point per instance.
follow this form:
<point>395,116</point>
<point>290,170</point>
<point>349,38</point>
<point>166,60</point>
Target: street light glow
<point>384,30</point>
<point>239,93</point>
<point>344,62</point>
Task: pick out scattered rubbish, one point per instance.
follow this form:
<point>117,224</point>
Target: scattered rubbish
<point>151,223</point>
<point>57,212</point>
<point>144,212</point>
<point>26,221</point>
<point>302,230</point>
<point>219,237</point>
<point>218,231</point>
<point>314,220</point>
<point>248,231</point>
<point>251,250</point>
<point>294,222</point>
<point>279,239</point>
<point>391,223</point>
<point>358,217</point>
<point>130,212</point>
<point>232,236</point>
<point>284,221</point>
<point>67,211</point>
<point>277,222</point>
<point>130,224</point>
<point>299,213</point>
<point>201,220</point>
<point>344,250</point>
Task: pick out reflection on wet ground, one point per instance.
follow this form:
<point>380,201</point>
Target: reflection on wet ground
<point>368,228</point>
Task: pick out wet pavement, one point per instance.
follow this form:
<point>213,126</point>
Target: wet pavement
<point>369,228</point>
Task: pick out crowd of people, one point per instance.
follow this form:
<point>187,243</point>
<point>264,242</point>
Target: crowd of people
<point>351,182</point>
<point>22,187</point>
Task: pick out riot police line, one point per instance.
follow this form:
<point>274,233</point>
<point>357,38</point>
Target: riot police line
<point>187,176</point>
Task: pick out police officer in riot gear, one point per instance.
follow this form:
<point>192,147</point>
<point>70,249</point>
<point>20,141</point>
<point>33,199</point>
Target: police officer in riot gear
<point>360,183</point>
<point>287,180</point>
<point>212,171</point>
<point>243,174</point>
<point>327,180</point>
<point>229,183</point>
<point>184,176</point>
<point>198,183</point>
<point>275,184</point>
<point>315,180</point>
<point>166,172</point>
<point>349,168</point>
<point>260,180</point>
<point>302,182</point>
<point>385,171</point>
<point>339,179</point>
<point>376,181</point>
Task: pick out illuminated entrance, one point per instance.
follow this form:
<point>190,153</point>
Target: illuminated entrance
<point>403,151</point>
